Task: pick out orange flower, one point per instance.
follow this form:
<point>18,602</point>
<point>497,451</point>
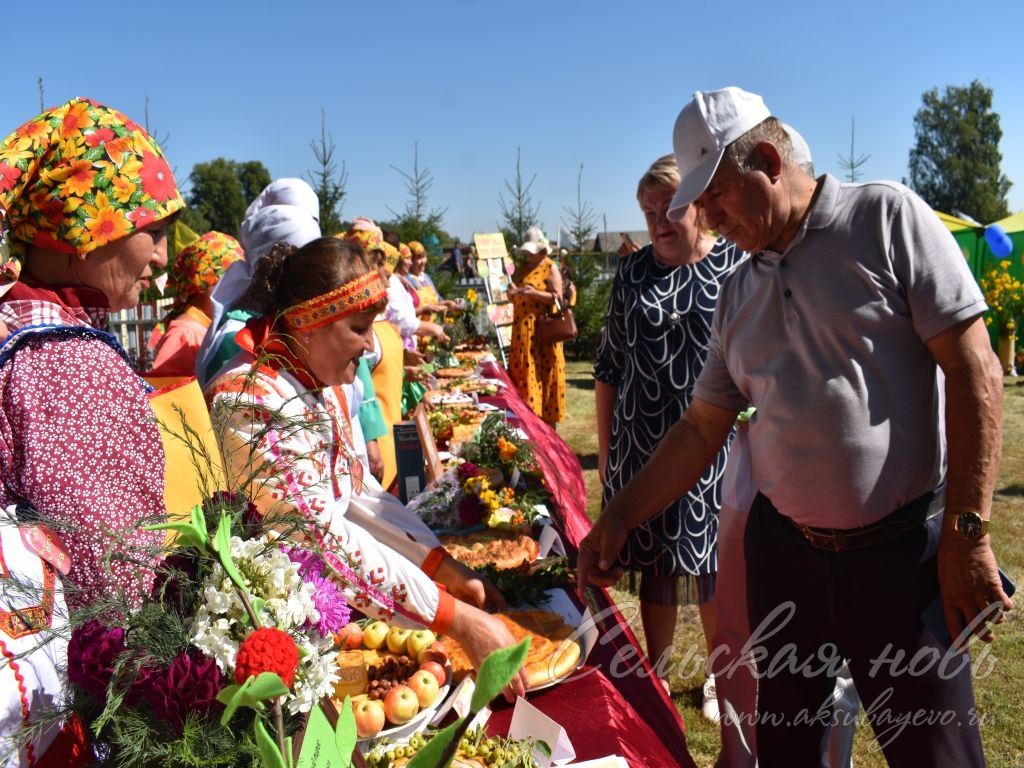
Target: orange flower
<point>76,119</point>
<point>506,450</point>
<point>107,224</point>
<point>80,178</point>
<point>34,131</point>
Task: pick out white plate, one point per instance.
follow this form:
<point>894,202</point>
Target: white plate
<point>586,632</point>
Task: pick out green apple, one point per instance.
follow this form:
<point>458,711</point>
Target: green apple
<point>418,640</point>
<point>374,634</point>
<point>396,639</point>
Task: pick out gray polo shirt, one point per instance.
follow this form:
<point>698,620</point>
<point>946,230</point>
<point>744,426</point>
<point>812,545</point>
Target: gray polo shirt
<point>828,341</point>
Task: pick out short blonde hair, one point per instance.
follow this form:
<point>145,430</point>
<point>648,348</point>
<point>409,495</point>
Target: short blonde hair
<point>663,174</point>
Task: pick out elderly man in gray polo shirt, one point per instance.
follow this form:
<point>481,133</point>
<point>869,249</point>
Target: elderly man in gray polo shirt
<point>856,330</point>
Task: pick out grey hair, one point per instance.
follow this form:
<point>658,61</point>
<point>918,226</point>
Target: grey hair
<point>741,152</point>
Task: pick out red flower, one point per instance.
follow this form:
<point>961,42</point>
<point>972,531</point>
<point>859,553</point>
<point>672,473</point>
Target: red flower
<point>142,217</point>
<point>466,470</point>
<point>157,179</point>
<point>267,650</point>
<point>9,176</point>
<point>471,510</point>
<point>101,136</point>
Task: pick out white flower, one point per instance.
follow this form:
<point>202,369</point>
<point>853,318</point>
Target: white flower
<point>314,679</point>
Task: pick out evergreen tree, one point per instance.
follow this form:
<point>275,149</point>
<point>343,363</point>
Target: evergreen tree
<point>327,181</point>
<point>582,222</point>
<point>954,164</point>
<point>418,220</point>
<point>518,212</point>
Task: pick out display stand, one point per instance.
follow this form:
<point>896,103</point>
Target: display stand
<point>496,269</point>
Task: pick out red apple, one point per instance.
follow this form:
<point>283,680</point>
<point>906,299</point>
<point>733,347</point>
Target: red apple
<point>369,717</point>
<point>401,704</point>
<point>375,634</point>
<point>425,686</point>
<point>433,652</point>
<point>350,637</point>
<point>436,670</point>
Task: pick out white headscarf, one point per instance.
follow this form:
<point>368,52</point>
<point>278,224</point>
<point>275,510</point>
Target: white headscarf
<point>287,210</point>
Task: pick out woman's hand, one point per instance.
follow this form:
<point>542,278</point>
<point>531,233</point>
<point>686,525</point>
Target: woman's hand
<point>411,357</point>
<point>375,459</point>
<point>480,634</point>
<point>469,586</point>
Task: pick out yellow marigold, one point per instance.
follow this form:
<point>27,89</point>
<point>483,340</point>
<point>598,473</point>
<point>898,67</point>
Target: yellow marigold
<point>471,296</point>
<point>476,485</point>
<point>490,500</point>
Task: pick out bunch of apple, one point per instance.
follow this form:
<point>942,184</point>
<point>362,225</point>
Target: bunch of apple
<point>396,701</point>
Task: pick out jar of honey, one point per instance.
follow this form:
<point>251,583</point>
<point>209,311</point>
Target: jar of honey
<point>352,679</point>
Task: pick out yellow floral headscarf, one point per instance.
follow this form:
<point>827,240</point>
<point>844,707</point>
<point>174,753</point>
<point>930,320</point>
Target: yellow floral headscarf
<point>78,177</point>
<point>390,256</point>
<point>198,267</point>
<point>416,247</point>
<point>365,232</point>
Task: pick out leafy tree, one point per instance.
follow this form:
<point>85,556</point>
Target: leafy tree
<point>852,163</point>
<point>582,222</point>
<point>327,181</point>
<point>954,164</point>
<point>518,212</point>
<point>418,220</point>
<point>220,192</point>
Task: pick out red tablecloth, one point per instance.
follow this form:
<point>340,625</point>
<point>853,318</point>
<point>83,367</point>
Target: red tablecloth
<point>599,722</point>
<point>617,653</point>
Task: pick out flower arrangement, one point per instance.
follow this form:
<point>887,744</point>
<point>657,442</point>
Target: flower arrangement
<point>465,497</point>
<point>1004,295</point>
<point>229,659</point>
<point>498,444</point>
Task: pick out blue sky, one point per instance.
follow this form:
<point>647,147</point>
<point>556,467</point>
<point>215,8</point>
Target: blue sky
<point>598,83</point>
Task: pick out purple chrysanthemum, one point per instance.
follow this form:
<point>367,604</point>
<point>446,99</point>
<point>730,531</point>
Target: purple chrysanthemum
<point>330,604</point>
<point>92,653</point>
<point>309,562</point>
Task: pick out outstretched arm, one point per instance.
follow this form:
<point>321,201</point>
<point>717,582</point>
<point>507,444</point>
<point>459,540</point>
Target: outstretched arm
<point>686,451</point>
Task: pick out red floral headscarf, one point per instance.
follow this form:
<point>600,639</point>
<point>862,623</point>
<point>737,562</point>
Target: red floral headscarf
<point>76,178</point>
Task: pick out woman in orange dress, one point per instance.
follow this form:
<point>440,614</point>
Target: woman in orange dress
<point>537,369</point>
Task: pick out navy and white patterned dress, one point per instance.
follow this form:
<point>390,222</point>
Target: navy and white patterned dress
<point>653,348</point>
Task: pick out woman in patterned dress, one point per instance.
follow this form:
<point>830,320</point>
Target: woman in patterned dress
<point>88,198</point>
<point>537,369</point>
<point>283,423</point>
<point>651,352</point>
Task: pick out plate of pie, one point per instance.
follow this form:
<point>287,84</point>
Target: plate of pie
<point>502,549</point>
<point>560,641</point>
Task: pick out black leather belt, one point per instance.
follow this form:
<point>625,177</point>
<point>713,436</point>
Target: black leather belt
<point>902,520</point>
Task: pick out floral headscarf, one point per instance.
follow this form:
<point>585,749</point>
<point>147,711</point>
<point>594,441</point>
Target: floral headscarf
<point>198,267</point>
<point>78,177</point>
<point>416,247</point>
<point>366,233</point>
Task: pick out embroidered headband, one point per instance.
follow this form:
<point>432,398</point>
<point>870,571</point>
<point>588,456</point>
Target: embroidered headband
<point>354,296</point>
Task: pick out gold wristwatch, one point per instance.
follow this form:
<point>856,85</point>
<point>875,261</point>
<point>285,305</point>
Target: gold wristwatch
<point>969,525</point>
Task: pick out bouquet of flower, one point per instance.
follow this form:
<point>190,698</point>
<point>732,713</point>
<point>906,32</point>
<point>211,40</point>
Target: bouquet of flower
<point>1004,295</point>
<point>498,444</point>
<point>236,644</point>
<point>464,498</point>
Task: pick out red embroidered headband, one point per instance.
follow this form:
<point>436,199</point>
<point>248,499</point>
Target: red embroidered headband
<point>354,296</point>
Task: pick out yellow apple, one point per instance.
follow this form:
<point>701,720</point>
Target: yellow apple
<point>374,634</point>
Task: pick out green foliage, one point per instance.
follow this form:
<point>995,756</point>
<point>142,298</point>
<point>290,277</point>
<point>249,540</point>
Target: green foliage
<point>221,191</point>
<point>582,222</point>
<point>954,164</point>
<point>593,290</point>
<point>418,220</point>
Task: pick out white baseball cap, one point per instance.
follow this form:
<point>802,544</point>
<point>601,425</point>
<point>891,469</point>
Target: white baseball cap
<point>801,150</point>
<point>705,127</point>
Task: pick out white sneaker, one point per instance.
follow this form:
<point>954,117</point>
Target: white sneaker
<point>710,706</point>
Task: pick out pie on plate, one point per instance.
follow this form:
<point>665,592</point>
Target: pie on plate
<point>554,647</point>
<point>502,549</point>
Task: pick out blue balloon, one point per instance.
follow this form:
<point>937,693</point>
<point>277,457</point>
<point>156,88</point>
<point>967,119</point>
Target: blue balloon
<point>998,241</point>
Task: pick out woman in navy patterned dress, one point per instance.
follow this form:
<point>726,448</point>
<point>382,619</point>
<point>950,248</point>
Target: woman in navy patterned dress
<point>652,350</point>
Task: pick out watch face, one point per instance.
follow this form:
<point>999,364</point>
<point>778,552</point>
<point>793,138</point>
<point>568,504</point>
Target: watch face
<point>970,525</point>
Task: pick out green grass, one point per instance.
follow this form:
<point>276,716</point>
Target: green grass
<point>999,695</point>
